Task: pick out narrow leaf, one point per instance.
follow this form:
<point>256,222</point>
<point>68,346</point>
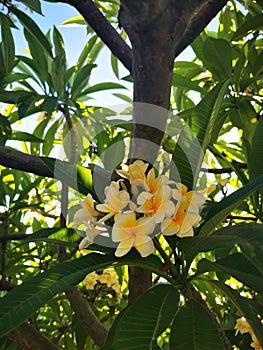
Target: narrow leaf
<point>33,29</point>
<point>220,210</point>
<point>8,46</point>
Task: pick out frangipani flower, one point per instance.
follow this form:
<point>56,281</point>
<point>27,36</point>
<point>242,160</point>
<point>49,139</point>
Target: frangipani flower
<point>115,201</point>
<point>181,223</point>
<point>242,326</point>
<point>152,184</point>
<point>87,213</point>
<point>137,172</point>
<point>158,205</point>
<point>191,200</point>
<point>133,233</point>
<point>91,233</point>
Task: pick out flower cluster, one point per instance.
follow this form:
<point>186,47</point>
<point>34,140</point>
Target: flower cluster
<point>153,204</point>
<point>242,326</point>
<point>107,278</point>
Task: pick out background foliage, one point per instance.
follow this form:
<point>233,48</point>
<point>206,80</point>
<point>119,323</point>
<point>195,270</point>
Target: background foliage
<point>218,94</point>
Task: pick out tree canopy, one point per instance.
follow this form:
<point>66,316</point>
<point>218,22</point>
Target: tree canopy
<point>137,226</point>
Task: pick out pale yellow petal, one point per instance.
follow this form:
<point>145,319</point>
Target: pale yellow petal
<point>84,243</point>
<point>144,245</point>
<point>124,247</point>
<point>169,227</point>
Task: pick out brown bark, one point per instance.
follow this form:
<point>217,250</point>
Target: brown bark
<point>158,30</point>
<point>28,338</point>
<point>85,315</point>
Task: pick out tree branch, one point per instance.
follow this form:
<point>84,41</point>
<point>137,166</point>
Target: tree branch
<point>199,19</point>
<point>29,338</point>
<point>85,315</point>
<point>25,162</point>
<point>104,30</point>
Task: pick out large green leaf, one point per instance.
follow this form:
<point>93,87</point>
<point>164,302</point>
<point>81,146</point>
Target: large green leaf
<point>24,300</point>
<point>193,328</point>
<point>8,46</point>
<point>246,307</point>
<point>217,53</point>
<point>192,143</point>
<point>139,325</point>
<point>220,210</point>
<point>255,156</point>
<point>237,266</point>
<point>32,28</point>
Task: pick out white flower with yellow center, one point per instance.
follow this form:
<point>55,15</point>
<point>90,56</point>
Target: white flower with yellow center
<point>181,223</point>
<point>157,205</point>
<point>115,201</point>
<point>87,213</point>
<point>130,232</point>
<point>91,232</point>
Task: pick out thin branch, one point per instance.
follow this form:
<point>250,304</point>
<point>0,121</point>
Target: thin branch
<point>199,20</point>
<point>104,30</point>
<point>243,218</point>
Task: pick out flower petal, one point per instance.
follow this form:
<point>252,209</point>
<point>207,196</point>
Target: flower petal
<point>144,245</point>
<point>124,247</point>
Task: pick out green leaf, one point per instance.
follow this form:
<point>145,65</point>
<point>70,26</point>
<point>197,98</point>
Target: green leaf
<point>81,80</point>
<point>255,156</point>
<point>184,82</point>
<point>5,130</point>
<point>74,21</point>
<point>219,64</point>
<point>62,236</point>
<point>33,5</point>
<point>248,236</point>
<point>220,210</point>
<point>49,138</point>
<point>33,29</point>
<point>76,176</point>
<point>25,136</point>
<point>246,307</point>
<point>251,24</point>
<point>144,320</point>
<point>8,46</point>
<point>114,66</point>
<point>192,143</point>
<point>237,266</point>
<point>102,86</point>
<point>193,328</point>
<point>114,154</point>
<point>24,300</point>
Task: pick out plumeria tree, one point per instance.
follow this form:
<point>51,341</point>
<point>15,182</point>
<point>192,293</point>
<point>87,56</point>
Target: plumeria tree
<point>136,226</point>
